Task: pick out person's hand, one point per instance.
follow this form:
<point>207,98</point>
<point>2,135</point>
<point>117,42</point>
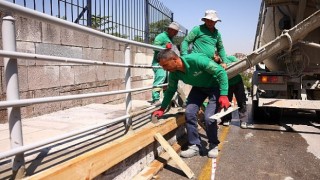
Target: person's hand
<point>224,65</point>
<point>224,102</point>
<point>158,113</point>
<point>168,46</point>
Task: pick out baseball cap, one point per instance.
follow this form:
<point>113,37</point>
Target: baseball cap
<point>174,26</point>
<point>211,15</point>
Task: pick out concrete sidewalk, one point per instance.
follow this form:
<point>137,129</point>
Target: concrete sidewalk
<point>54,124</point>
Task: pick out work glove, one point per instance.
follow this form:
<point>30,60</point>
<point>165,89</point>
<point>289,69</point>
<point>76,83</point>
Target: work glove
<point>158,113</point>
<point>168,46</point>
<point>224,102</point>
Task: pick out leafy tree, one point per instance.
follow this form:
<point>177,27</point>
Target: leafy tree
<point>119,35</point>
<point>100,23</point>
<point>138,38</point>
<point>156,28</point>
<point>178,40</point>
<point>246,77</point>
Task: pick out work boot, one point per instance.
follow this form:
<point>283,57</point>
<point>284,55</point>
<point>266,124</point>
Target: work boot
<point>192,150</point>
<point>226,123</point>
<point>213,151</point>
<point>245,125</point>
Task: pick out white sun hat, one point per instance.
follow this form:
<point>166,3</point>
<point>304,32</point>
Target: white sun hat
<point>174,26</point>
<point>211,15</point>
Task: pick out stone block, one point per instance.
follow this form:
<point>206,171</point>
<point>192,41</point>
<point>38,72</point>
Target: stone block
<point>74,38</point>
<point>111,73</point>
<point>3,116</point>
<point>110,44</point>
<point>23,78</point>
<point>101,73</point>
<point>84,74</point>
<point>27,47</point>
<point>67,75</point>
<point>107,55</point>
<point>43,77</point>
<point>50,33</point>
<point>92,54</point>
<point>57,50</point>
<point>95,42</point>
<point>28,29</point>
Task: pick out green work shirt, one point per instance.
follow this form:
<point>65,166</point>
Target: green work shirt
<point>237,78</point>
<point>204,41</point>
<point>200,71</point>
<point>161,40</point>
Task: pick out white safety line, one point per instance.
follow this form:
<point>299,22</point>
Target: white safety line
<point>213,170</point>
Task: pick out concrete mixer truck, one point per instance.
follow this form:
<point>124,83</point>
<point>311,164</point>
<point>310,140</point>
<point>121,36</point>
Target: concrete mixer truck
<point>286,58</point>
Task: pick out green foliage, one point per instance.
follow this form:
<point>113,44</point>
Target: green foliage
<point>178,40</point>
<point>246,78</point>
<point>138,38</point>
<point>158,27</point>
<point>98,22</point>
<point>119,35</point>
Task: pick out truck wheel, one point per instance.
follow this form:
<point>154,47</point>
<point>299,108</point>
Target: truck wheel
<point>274,114</point>
<point>318,115</point>
<point>258,114</point>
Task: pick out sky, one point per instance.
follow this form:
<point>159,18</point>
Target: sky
<point>239,19</point>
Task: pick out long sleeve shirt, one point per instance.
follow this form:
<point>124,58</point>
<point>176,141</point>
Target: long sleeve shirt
<point>161,40</point>
<point>237,78</point>
<point>203,41</point>
<point>200,71</point>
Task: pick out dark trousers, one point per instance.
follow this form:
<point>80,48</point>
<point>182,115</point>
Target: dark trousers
<point>196,97</point>
<point>238,91</point>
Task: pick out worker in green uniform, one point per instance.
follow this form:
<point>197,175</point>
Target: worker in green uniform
<point>163,39</point>
<point>236,88</point>
<point>205,38</point>
<point>208,80</point>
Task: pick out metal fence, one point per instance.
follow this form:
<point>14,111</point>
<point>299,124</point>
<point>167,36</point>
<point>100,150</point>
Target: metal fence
<point>14,103</point>
<point>138,20</point>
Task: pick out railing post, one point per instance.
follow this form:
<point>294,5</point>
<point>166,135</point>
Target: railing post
<point>146,22</point>
<point>89,13</point>
<point>127,72</point>
<point>14,113</point>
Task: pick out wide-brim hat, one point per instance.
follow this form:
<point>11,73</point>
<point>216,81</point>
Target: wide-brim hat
<point>174,26</point>
<point>211,15</point>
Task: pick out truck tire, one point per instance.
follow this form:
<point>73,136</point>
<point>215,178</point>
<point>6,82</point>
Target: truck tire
<point>258,115</point>
<point>274,114</point>
<point>318,115</point>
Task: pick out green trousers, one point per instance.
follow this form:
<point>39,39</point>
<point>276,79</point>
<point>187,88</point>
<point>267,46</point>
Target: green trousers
<point>159,78</point>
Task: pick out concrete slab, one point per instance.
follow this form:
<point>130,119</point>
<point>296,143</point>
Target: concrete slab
<point>50,125</point>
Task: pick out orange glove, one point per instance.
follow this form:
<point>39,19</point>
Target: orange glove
<point>168,46</point>
<point>224,102</point>
<point>158,113</point>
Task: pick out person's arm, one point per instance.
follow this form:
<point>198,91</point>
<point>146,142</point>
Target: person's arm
<point>188,40</point>
<point>220,48</point>
<point>218,71</point>
<point>170,91</point>
<point>229,60</point>
<point>168,95</point>
<point>161,40</point>
<point>222,77</point>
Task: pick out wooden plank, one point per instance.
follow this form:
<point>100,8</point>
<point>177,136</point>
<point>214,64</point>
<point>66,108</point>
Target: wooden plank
<point>95,162</point>
<point>150,171</point>
<point>184,167</point>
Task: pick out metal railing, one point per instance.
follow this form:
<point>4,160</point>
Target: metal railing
<point>138,20</point>
<point>13,102</point>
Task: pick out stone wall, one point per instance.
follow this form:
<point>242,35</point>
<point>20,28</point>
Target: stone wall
<point>46,79</point>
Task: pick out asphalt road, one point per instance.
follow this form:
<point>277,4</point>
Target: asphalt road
<point>275,149</point>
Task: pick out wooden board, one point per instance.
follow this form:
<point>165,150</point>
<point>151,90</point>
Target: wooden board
<point>184,167</point>
<point>150,171</point>
<point>95,162</point>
